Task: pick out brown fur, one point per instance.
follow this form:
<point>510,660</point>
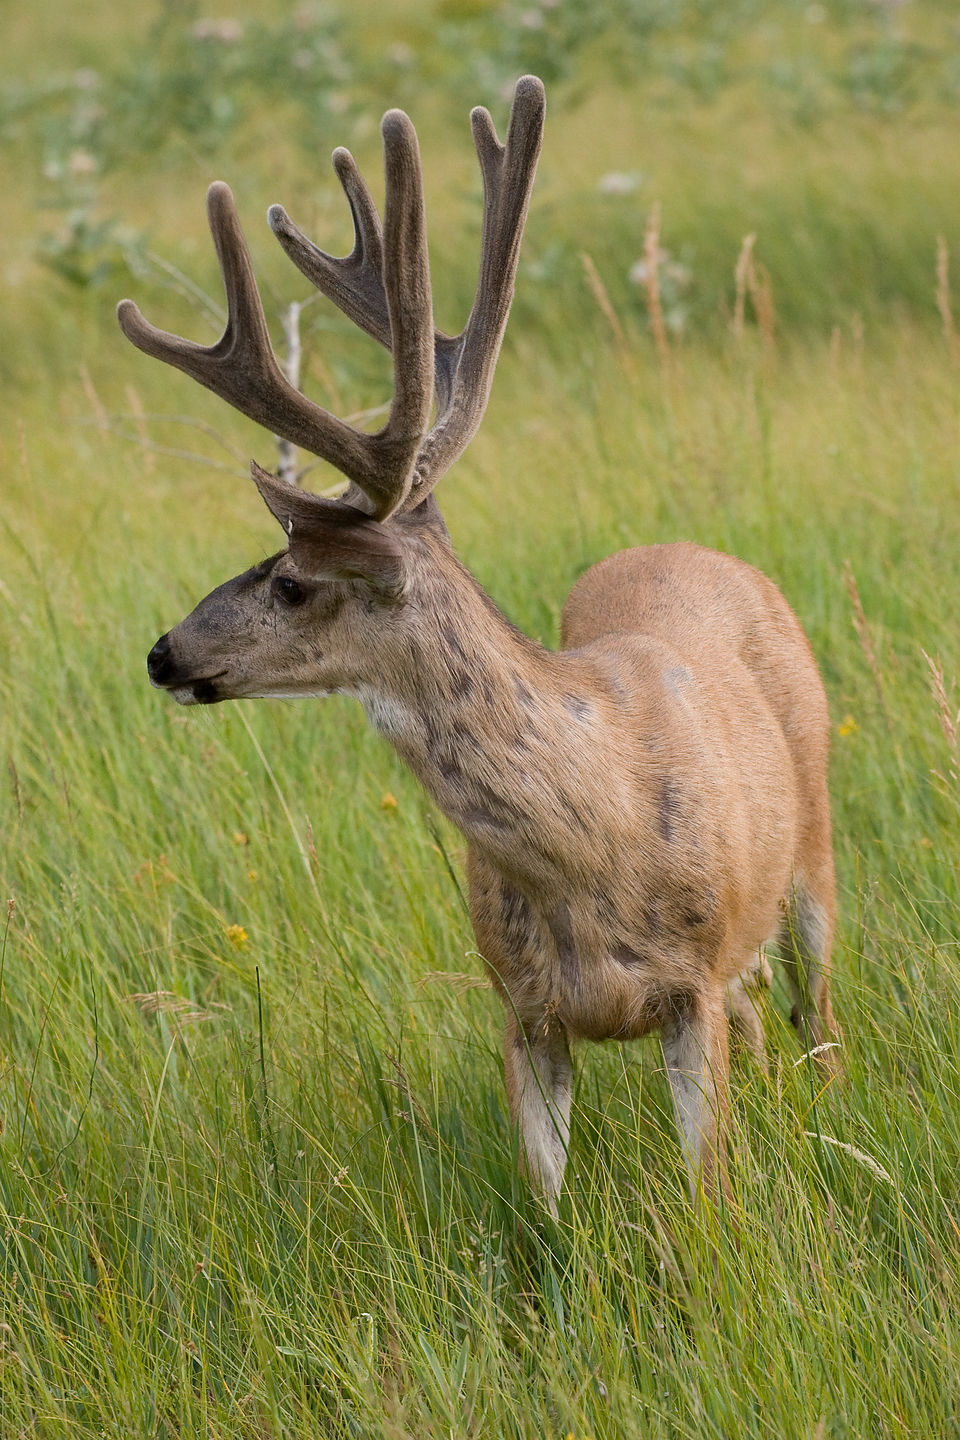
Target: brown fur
<point>645,809</point>
<point>642,809</point>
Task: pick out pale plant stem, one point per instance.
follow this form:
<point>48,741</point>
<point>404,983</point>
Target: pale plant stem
<point>741,275</point>
<point>11,906</point>
<point>36,1061</point>
<point>599,292</point>
<point>151,1137</point>
<point>856,331</point>
<point>949,722</point>
<point>110,423</point>
<point>287,463</point>
<point>174,452</point>
<point>140,420</point>
<point>183,285</point>
<point>761,297</point>
<point>862,627</point>
<point>651,282</point>
<point>944,304</point>
<point>281,797</point>
<point>93,399</point>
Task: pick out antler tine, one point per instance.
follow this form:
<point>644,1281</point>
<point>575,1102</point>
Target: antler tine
<point>353,282</point>
<point>465,364</point>
<point>242,368</point>
<point>406,281</point>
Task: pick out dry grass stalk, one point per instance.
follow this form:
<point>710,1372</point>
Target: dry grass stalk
<point>836,340</point>
<point>93,399</point>
<point>864,1159</point>
<point>753,280</point>
<point>817,1050</point>
<point>22,450</point>
<point>949,722</point>
<point>856,330</point>
<point>140,421</point>
<point>402,1083</point>
<point>141,438</point>
<point>944,305</point>
<point>599,292</point>
<point>458,980</point>
<point>741,275</point>
<point>651,284</point>
<point>177,1007</point>
<point>193,456</point>
<point>760,287</point>
<point>862,628</point>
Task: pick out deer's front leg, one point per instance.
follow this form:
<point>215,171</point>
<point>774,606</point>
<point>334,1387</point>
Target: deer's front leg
<point>694,1039</point>
<point>538,1072</point>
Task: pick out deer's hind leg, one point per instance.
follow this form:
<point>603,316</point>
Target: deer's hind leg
<point>806,937</point>
<point>694,1039</point>
<point>742,1004</point>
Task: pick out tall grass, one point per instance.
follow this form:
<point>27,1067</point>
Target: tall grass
<point>256,1173</point>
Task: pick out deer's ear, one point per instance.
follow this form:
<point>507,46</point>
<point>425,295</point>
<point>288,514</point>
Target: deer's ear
<point>329,540</point>
<point>286,503</point>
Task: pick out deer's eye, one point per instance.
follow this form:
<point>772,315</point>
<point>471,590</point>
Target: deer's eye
<point>288,590</point>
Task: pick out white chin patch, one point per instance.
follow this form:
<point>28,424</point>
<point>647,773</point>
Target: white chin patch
<point>389,717</point>
<point>184,695</point>
<point>287,695</point>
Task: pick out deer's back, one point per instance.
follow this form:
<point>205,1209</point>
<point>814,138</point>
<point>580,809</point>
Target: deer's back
<point>711,609</point>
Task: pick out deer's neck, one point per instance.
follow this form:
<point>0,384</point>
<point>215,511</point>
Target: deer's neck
<point>496,727</point>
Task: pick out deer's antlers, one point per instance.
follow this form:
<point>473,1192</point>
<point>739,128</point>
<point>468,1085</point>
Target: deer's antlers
<point>384,287</point>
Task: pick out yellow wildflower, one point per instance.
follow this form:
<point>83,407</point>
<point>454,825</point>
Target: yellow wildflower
<point>237,936</point>
<point>389,802</point>
<point>848,726</point>
<point>239,838</point>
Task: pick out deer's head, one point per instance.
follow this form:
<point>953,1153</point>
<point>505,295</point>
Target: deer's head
<point>313,617</point>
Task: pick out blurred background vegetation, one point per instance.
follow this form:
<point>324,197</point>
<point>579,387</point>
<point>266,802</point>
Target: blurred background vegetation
<point>809,123</point>
<point>256,1177</point>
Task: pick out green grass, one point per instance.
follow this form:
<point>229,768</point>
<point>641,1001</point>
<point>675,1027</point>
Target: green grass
<point>284,1203</point>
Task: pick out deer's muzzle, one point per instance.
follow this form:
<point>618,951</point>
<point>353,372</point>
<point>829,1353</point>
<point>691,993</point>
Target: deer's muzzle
<point>166,674</point>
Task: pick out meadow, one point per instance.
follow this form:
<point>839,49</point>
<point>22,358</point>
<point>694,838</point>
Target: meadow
<point>256,1172</point>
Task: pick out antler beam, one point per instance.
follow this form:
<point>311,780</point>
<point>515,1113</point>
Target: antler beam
<point>464,363</point>
<point>383,285</point>
<point>243,369</point>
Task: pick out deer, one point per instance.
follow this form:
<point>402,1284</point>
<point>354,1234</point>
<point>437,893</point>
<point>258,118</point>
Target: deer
<point>645,809</point>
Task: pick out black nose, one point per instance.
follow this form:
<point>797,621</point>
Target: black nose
<point>159,661</point>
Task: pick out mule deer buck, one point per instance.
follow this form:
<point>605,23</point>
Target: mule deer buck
<point>645,808</point>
